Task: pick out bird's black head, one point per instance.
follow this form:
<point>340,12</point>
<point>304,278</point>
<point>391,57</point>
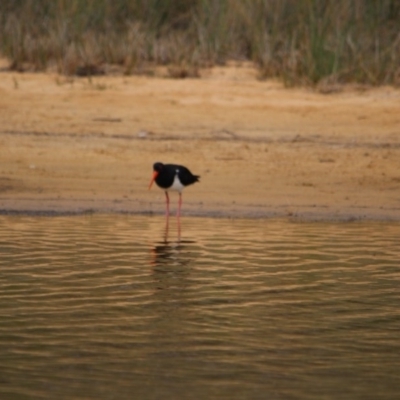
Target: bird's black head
<point>158,166</point>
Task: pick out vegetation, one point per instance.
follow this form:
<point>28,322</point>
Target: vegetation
<point>299,41</point>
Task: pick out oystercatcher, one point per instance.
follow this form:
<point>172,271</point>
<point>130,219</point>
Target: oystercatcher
<point>172,177</point>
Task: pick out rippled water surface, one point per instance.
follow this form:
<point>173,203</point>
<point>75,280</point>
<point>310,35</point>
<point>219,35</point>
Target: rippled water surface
<point>103,307</point>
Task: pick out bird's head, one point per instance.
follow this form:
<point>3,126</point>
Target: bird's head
<point>157,167</point>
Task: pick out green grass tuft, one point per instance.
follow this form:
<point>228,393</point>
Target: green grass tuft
<point>302,42</point>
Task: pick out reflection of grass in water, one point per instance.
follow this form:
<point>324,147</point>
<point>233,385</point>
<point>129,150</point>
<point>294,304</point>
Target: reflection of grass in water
<point>300,41</point>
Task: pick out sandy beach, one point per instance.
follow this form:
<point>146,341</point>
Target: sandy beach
<point>71,145</point>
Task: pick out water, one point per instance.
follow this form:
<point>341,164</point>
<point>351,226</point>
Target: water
<point>103,307</point>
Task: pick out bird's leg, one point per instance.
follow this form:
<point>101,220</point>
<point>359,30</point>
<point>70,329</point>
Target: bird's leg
<point>178,213</point>
<point>167,204</point>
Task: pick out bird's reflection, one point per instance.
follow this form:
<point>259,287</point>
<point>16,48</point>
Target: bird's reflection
<point>172,267</point>
<point>178,229</point>
<point>171,252</point>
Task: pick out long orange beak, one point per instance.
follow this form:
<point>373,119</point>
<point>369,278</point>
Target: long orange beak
<point>155,174</point>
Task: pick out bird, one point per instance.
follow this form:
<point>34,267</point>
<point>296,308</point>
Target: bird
<point>172,177</point>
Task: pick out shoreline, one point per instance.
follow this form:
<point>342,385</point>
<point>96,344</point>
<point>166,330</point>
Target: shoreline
<point>365,215</point>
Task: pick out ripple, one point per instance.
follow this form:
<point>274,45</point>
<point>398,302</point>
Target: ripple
<point>104,306</point>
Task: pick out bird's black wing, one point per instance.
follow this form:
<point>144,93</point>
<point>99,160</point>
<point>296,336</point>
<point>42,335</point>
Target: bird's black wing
<point>185,176</point>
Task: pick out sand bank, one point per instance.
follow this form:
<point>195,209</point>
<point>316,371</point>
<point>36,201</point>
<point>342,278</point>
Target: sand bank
<point>76,145</point>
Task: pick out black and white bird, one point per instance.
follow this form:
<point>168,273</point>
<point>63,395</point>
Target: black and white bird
<point>172,177</point>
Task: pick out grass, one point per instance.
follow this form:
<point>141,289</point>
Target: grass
<point>302,42</point>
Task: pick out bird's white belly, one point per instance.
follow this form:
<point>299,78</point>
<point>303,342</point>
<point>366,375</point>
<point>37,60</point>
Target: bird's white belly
<point>176,185</point>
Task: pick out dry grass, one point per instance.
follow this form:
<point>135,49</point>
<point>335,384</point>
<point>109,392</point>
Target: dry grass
<point>309,42</point>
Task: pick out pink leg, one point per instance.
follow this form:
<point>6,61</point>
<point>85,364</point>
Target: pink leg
<point>167,204</point>
<point>178,214</point>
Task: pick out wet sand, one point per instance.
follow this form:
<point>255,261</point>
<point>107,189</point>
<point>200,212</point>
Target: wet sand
<point>73,145</point>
